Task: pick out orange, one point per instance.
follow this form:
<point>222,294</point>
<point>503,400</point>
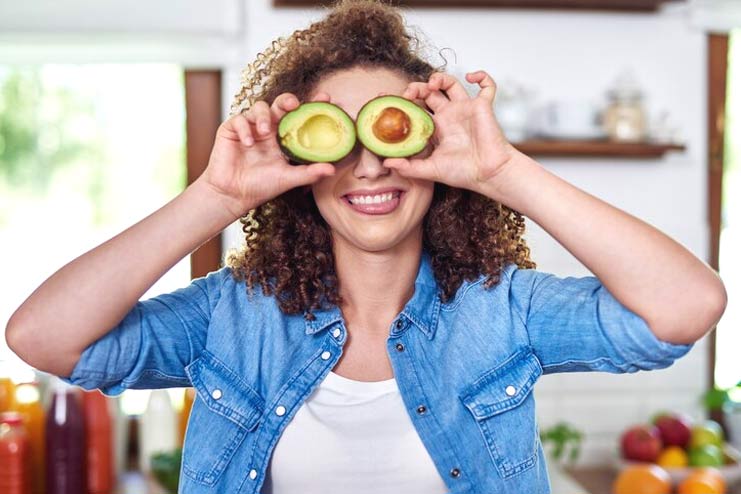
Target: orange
<point>706,480</point>
<point>644,478</point>
<point>672,457</point>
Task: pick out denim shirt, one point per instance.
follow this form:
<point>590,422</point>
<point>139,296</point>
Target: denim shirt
<point>465,369</point>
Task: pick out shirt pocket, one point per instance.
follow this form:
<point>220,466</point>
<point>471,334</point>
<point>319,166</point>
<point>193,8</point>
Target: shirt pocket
<point>226,410</point>
<point>503,406</point>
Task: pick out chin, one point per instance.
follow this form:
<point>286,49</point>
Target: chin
<point>373,240</point>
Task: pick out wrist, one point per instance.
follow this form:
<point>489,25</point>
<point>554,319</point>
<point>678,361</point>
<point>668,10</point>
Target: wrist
<point>224,208</point>
<point>514,182</point>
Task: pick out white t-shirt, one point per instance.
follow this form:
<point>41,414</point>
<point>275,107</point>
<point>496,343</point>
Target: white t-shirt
<point>352,437</point>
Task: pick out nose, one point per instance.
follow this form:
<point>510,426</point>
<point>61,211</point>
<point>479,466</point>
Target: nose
<point>369,165</point>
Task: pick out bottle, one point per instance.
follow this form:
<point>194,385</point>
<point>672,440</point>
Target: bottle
<point>189,396</point>
<point>98,442</point>
<point>158,428</point>
<point>14,455</point>
<point>28,404</point>
<point>65,442</point>
<point>7,394</point>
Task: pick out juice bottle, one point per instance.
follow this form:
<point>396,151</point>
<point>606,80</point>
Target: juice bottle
<point>65,442</point>
<point>14,455</point>
<point>189,396</point>
<point>99,443</point>
<point>158,428</point>
<point>7,394</point>
<point>28,404</point>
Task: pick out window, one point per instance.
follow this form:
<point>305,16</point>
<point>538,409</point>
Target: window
<point>85,152</point>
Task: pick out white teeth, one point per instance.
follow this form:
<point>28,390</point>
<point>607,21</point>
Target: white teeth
<point>377,199</point>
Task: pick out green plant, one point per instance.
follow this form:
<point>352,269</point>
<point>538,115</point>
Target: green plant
<point>563,437</point>
<point>715,398</point>
<point>166,469</point>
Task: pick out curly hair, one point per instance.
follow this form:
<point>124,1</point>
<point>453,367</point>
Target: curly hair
<point>287,248</point>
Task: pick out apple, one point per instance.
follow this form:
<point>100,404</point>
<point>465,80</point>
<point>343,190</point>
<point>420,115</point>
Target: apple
<point>709,455</point>
<point>707,432</point>
<point>641,443</point>
<point>675,428</point>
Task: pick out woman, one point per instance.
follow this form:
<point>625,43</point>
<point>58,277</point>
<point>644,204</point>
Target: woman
<point>389,351</point>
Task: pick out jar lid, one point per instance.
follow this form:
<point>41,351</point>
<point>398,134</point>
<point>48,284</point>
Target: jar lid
<point>11,418</point>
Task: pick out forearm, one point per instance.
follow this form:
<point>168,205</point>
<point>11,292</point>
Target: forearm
<point>677,294</point>
<point>87,297</point>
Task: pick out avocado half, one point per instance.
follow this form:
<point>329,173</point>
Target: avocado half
<point>316,132</point>
<point>394,127</point>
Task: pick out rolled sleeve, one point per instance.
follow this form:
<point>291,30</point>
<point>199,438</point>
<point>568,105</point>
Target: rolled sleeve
<point>153,343</point>
<point>575,324</point>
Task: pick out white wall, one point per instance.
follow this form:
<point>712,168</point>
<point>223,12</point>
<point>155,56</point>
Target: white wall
<point>563,55</point>
<point>569,56</point>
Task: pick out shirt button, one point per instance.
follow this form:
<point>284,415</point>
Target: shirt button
<point>253,474</point>
<point>455,473</point>
<point>510,390</point>
<point>325,355</point>
<point>216,394</point>
<point>399,347</point>
<point>336,332</point>
<point>399,324</point>
<point>421,409</point>
<point>280,410</point>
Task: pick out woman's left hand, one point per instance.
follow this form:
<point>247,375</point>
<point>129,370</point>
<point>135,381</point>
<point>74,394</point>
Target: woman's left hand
<point>470,147</point>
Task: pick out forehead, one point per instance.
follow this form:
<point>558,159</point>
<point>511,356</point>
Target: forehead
<point>352,88</point>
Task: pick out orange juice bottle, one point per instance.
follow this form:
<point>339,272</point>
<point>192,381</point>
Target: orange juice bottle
<point>28,404</point>
<point>189,396</point>
<point>7,394</point>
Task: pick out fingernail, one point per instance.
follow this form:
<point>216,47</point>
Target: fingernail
<point>264,127</point>
<point>248,141</point>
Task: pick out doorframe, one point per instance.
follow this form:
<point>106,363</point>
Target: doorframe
<point>203,117</point>
<point>717,79</point>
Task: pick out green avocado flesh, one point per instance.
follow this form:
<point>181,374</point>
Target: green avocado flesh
<point>316,132</point>
<point>394,127</point>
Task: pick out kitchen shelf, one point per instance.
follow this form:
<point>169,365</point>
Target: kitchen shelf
<point>595,148</point>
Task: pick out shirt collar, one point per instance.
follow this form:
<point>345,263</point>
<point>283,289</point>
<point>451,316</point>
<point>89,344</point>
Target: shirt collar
<point>422,309</point>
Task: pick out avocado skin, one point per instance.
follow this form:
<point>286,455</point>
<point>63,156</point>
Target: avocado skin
<point>422,124</point>
<point>296,158</point>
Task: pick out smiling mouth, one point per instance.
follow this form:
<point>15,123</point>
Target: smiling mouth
<point>374,205</point>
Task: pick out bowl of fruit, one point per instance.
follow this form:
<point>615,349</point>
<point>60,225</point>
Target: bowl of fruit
<point>680,446</point>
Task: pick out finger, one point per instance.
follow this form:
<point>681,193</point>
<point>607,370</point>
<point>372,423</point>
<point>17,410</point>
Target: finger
<point>298,175</point>
<point>445,82</point>
<point>242,127</point>
<point>486,82</point>
<point>282,105</point>
<point>412,168</point>
<point>262,118</point>
<point>416,90</point>
<point>434,99</point>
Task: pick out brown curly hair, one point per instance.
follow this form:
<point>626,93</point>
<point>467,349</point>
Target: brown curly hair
<point>287,247</point>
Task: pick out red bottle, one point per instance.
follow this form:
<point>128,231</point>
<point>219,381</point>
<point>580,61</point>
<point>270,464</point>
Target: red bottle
<point>15,455</point>
<point>65,442</point>
<point>99,441</point>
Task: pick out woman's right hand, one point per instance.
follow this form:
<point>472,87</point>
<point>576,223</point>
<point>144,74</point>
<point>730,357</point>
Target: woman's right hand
<point>247,166</point>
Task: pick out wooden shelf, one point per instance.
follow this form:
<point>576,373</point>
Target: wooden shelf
<point>614,5</point>
<point>595,148</point>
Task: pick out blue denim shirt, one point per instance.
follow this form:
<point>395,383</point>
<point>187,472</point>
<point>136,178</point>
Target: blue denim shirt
<point>465,369</point>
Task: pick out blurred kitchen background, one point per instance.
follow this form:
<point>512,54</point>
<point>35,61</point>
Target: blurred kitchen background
<point>108,109</point>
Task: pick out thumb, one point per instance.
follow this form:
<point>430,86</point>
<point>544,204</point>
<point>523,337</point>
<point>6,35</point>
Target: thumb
<point>414,168</point>
<point>307,174</point>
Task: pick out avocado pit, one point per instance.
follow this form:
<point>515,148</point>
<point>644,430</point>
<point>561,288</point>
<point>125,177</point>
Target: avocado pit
<point>392,125</point>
